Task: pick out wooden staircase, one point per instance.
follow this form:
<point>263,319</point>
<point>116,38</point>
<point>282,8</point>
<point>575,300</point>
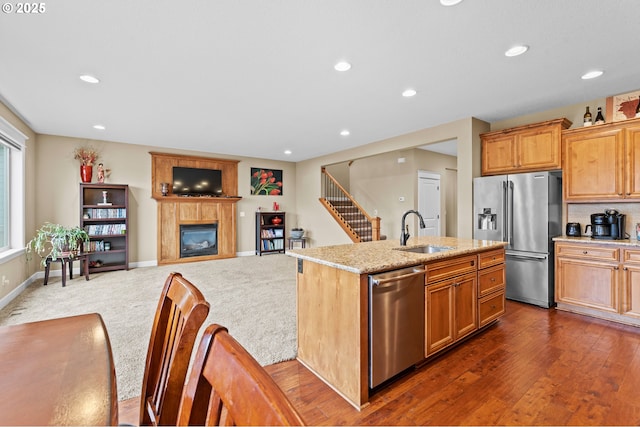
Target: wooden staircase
<point>358,225</point>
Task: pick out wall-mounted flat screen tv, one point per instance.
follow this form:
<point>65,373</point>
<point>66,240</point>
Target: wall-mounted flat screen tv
<point>197,182</point>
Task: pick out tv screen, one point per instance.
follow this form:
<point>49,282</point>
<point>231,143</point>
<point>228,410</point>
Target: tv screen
<point>197,182</point>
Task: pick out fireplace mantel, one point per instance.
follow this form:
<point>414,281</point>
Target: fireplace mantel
<point>174,211</point>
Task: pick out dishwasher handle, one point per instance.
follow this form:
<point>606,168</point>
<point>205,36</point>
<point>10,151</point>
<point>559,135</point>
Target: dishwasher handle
<point>376,282</point>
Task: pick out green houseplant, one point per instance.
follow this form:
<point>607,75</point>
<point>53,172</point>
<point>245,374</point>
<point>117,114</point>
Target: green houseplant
<point>55,240</point>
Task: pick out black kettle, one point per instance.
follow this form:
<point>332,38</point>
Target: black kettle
<point>573,229</point>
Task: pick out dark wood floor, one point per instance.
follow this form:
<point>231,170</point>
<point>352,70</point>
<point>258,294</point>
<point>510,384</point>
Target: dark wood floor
<point>534,367</point>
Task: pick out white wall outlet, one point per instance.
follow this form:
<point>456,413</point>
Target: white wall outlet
<point>241,214</point>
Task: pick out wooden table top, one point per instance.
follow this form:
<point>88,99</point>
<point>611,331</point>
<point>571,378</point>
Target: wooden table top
<point>57,372</point>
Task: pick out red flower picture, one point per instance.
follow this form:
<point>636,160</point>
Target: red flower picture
<point>266,182</point>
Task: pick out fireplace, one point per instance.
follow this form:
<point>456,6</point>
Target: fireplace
<point>198,240</point>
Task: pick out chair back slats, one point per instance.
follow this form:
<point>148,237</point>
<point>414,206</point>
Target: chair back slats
<point>181,312</point>
<point>227,386</point>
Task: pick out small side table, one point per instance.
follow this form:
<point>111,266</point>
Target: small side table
<point>302,240</point>
<point>64,261</point>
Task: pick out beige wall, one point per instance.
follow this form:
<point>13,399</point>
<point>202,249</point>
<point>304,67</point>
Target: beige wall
<point>378,182</point>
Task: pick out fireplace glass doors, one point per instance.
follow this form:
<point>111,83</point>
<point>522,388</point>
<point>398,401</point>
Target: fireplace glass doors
<point>198,240</point>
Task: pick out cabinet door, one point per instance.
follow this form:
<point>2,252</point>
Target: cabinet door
<point>632,172</point>
<point>439,316</point>
<point>466,305</point>
<point>587,283</point>
<point>538,149</point>
<point>593,165</point>
<point>630,304</point>
<point>498,154</point>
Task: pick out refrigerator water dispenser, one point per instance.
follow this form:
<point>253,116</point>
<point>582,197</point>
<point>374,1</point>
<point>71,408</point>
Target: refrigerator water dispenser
<point>487,220</point>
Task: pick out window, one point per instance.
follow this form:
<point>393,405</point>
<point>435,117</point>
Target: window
<point>4,197</point>
<point>12,184</point>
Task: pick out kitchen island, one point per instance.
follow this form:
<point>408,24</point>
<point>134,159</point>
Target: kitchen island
<point>464,292</point>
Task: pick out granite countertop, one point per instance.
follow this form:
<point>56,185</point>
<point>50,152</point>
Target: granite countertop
<point>382,255</point>
<point>588,239</point>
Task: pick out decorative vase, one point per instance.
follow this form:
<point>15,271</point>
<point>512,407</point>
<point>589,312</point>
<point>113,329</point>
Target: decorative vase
<point>86,173</point>
<point>276,220</point>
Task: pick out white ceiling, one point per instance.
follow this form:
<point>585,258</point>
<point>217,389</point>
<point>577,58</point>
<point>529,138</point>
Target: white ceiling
<point>256,77</point>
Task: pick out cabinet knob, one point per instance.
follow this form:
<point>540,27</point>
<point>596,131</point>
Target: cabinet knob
<point>625,269</point>
<point>493,306</point>
<point>473,263</point>
<point>585,252</point>
<point>616,268</point>
<point>493,279</point>
<point>628,194</point>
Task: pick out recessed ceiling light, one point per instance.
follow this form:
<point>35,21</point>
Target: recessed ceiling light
<point>89,78</point>
<point>449,2</point>
<point>342,66</point>
<point>99,127</point>
<point>345,133</point>
<point>516,50</point>
<point>592,74</point>
<point>287,152</point>
<point>409,93</point>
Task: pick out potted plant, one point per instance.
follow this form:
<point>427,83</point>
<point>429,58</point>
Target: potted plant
<point>55,240</point>
<point>297,233</point>
<point>87,156</point>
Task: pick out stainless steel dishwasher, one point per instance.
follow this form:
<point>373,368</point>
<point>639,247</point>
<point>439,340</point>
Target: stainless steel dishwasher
<point>396,322</point>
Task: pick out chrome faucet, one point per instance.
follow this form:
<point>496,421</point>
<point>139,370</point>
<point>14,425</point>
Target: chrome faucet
<point>404,235</point>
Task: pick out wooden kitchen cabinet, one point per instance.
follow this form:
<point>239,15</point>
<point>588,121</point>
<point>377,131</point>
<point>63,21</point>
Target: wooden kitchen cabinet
<point>450,312</point>
<point>529,148</point>
<point>450,302</point>
<point>601,280</point>
<point>630,289</point>
<point>601,163</point>
<point>491,286</point>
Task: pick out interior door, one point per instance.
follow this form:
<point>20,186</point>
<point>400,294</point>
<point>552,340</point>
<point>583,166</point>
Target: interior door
<point>429,203</point>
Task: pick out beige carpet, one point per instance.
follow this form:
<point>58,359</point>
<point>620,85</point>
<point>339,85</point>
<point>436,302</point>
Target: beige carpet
<point>254,297</point>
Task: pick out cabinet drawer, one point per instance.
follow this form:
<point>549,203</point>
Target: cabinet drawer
<point>631,255</point>
<point>491,307</point>
<point>603,253</point>
<point>491,280</point>
<point>489,258</point>
<point>440,270</point>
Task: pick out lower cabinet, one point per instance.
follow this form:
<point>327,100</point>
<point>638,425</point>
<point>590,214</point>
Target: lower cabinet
<point>602,280</point>
<point>462,294</point>
<point>450,311</point>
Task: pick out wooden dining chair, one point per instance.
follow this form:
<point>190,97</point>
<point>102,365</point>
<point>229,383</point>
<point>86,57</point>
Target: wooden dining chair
<point>181,312</point>
<point>227,386</point>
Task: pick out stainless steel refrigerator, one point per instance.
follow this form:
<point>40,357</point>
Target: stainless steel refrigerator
<point>524,210</point>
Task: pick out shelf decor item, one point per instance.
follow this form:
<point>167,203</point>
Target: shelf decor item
<point>622,107</point>
<point>297,233</point>
<point>266,182</point>
<point>87,156</point>
<point>55,240</point>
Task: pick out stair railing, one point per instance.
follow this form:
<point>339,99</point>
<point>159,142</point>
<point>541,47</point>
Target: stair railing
<point>351,217</point>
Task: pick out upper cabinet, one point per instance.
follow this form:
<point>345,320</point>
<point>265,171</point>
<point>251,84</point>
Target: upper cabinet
<point>529,148</point>
<point>601,163</point>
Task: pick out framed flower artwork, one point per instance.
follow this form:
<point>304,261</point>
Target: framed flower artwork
<point>266,182</point>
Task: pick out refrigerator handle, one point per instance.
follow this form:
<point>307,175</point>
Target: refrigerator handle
<point>505,217</point>
<point>511,219</point>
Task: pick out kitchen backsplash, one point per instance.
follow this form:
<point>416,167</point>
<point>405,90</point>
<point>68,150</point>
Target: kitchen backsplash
<point>581,212</point>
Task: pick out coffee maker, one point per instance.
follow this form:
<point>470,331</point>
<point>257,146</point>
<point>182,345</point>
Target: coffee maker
<point>607,226</point>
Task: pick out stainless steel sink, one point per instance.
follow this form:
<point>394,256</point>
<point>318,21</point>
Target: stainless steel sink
<point>427,249</point>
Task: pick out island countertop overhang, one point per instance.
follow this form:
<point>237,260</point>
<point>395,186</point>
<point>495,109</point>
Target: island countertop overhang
<point>384,255</point>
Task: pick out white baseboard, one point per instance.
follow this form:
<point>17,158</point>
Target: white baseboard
<point>18,290</point>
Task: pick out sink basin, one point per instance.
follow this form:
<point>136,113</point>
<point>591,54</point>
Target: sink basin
<point>427,249</point>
